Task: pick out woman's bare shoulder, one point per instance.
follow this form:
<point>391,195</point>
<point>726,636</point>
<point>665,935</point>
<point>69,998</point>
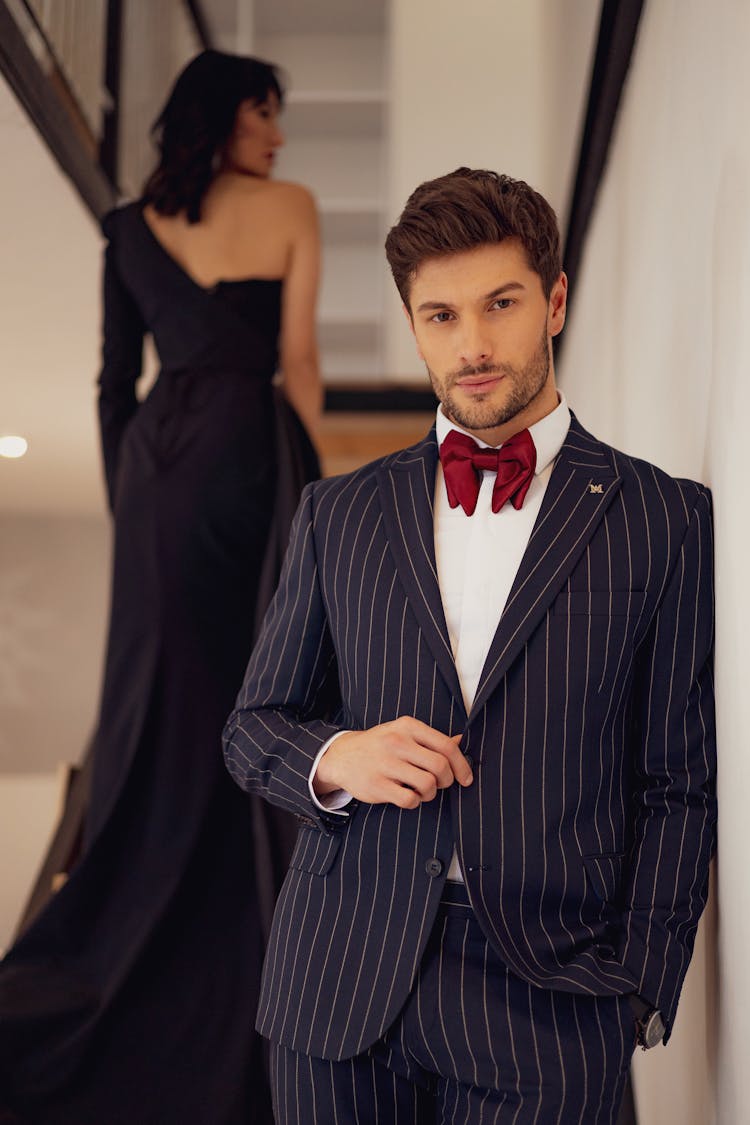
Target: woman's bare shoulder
<point>292,198</point>
<point>292,190</point>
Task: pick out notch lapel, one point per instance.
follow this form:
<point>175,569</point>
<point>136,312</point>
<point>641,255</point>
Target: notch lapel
<point>407,494</point>
<point>582,486</point>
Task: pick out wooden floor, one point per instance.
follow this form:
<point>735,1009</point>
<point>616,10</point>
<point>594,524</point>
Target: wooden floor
<point>347,441</point>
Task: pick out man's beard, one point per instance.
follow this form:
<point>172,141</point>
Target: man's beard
<point>524,386</point>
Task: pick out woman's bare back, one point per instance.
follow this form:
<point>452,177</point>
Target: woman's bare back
<point>248,229</point>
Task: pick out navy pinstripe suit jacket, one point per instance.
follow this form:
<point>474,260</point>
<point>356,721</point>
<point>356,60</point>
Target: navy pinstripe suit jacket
<point>586,836</point>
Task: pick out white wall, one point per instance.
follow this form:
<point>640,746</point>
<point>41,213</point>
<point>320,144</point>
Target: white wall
<point>656,360</point>
<point>488,84</point>
<point>49,326</point>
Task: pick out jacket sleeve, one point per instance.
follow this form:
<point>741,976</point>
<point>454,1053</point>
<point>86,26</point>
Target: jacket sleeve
<point>675,761</point>
<point>122,354</point>
<point>289,702</point>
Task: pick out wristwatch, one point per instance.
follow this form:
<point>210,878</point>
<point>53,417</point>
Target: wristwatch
<point>649,1026</point>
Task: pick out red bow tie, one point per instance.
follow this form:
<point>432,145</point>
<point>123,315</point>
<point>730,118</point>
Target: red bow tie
<point>463,461</point>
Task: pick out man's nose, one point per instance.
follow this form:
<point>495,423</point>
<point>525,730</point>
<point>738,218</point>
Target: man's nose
<point>476,344</point>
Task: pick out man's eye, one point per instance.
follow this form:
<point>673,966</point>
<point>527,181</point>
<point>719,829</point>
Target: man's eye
<point>441,317</point>
<point>502,303</point>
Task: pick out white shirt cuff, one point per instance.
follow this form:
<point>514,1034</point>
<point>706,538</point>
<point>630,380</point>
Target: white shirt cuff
<point>332,802</point>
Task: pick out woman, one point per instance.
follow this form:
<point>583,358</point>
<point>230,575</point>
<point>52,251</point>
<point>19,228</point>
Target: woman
<point>132,997</point>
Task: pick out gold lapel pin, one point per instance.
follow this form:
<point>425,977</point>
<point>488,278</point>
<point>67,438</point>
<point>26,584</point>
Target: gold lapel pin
<point>595,488</point>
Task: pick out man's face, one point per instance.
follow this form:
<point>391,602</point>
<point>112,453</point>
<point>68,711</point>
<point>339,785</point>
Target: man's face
<point>483,327</point>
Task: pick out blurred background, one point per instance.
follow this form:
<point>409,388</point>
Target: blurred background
<point>628,116</point>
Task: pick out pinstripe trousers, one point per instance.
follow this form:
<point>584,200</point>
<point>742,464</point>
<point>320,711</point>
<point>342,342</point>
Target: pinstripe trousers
<point>474,1045</point>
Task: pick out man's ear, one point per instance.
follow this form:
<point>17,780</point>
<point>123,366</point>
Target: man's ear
<point>557,306</point>
<point>410,322</point>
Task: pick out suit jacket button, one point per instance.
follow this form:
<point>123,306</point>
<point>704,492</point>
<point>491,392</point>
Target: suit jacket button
<point>433,867</point>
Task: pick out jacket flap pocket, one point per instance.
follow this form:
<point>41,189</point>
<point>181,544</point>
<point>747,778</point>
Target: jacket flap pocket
<point>605,874</point>
<point>315,850</point>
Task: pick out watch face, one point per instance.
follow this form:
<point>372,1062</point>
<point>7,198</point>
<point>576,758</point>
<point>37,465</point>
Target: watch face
<point>653,1030</point>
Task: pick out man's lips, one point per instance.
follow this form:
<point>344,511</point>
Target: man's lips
<point>478,383</point>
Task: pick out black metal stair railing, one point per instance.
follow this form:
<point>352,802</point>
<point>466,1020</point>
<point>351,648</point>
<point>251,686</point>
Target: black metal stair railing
<point>66,62</point>
<point>38,83</point>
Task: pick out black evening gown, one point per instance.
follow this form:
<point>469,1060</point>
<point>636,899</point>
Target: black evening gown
<point>131,999</point>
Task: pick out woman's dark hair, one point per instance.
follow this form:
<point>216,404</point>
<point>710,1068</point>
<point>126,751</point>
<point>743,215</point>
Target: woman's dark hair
<point>467,208</point>
<point>196,122</point>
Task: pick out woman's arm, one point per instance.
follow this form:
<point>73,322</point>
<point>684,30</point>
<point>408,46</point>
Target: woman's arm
<point>122,353</point>
<point>299,350</point>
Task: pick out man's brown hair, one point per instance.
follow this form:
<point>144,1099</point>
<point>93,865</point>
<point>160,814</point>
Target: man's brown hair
<point>468,208</point>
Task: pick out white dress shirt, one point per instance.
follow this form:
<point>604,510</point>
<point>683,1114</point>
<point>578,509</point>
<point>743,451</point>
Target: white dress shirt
<point>478,556</point>
<point>477,560</point>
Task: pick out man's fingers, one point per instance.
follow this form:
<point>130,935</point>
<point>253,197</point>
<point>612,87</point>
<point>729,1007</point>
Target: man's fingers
<point>435,763</point>
<point>403,762</point>
<point>422,733</point>
<point>402,797</point>
<point>445,745</point>
<point>460,766</point>
<point>433,739</point>
<point>423,782</point>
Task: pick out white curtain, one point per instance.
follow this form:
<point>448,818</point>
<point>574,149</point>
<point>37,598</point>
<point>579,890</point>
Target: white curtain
<point>657,361</point>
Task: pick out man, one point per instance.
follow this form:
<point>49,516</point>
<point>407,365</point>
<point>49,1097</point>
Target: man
<point>485,688</point>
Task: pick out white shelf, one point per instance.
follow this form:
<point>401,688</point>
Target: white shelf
<point>352,282</point>
<point>349,333</point>
<point>351,365</point>
<point>340,59</point>
<point>323,17</point>
<point>357,113</point>
<point>350,168</point>
<point>349,205</point>
<point>334,96</point>
<point>334,56</point>
<point>351,220</point>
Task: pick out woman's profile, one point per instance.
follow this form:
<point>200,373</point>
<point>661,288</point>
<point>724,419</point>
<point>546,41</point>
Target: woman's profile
<point>132,997</point>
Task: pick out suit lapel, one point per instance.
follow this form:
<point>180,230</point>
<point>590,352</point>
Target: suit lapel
<point>581,488</point>
<point>407,491</point>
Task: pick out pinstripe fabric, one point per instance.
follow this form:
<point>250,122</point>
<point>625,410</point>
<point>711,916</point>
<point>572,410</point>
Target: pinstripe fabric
<point>473,1046</point>
<point>586,836</point>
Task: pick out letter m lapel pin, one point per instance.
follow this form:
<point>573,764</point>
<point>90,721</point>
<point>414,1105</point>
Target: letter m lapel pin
<point>595,488</point>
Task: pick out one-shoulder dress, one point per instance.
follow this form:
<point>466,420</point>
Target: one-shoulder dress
<point>131,999</point>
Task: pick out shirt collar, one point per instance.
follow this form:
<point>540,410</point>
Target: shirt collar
<point>548,433</point>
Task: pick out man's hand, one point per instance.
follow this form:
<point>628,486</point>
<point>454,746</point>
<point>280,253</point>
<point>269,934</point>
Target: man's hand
<point>403,763</point>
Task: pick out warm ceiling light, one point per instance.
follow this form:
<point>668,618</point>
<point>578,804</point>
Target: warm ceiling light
<point>13,446</point>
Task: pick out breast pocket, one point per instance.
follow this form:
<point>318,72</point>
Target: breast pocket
<point>600,603</point>
<point>315,850</point>
<point>596,633</point>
